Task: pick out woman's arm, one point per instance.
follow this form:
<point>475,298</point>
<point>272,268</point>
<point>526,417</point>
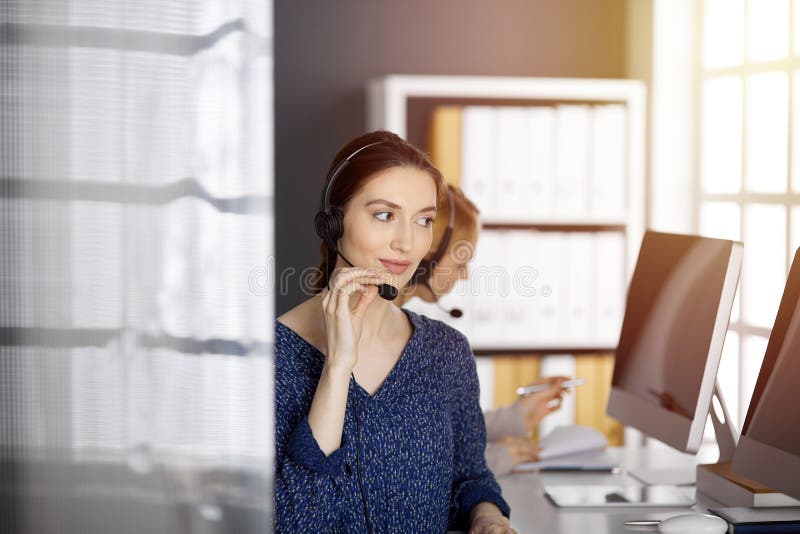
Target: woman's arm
<point>502,455</point>
<point>308,484</point>
<point>326,416</point>
<point>343,328</point>
<point>473,483</point>
<point>524,415</point>
<point>505,421</point>
<point>310,466</point>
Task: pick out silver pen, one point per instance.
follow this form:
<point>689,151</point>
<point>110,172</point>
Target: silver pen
<point>527,390</point>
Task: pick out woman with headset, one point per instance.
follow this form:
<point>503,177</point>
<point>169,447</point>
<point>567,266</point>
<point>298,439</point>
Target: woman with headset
<point>378,424</point>
<point>455,236</point>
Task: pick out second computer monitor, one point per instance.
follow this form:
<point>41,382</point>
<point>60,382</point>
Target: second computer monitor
<point>769,448</point>
<point>676,316</point>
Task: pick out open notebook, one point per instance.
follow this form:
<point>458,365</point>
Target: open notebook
<point>572,448</point>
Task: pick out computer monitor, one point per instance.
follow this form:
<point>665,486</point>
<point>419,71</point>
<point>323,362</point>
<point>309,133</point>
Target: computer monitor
<point>676,315</point>
<point>769,447</point>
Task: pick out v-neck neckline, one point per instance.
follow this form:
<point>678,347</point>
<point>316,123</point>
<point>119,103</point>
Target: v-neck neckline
<point>415,325</point>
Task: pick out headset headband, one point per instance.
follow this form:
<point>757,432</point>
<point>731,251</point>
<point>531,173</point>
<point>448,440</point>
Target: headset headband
<point>326,198</point>
<point>448,231</point>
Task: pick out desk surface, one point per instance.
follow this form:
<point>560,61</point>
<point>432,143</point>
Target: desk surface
<point>532,513</point>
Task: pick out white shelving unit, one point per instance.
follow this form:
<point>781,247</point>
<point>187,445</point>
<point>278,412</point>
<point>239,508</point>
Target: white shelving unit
<point>388,102</point>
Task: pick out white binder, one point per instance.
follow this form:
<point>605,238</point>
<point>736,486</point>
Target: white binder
<point>538,193</point>
<point>579,319</point>
<point>478,138</point>
<point>607,177</point>
<point>572,159</point>
<point>510,163</point>
<point>610,286</point>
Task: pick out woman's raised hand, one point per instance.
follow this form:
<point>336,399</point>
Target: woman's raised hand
<point>537,406</point>
<point>343,324</point>
<point>520,450</point>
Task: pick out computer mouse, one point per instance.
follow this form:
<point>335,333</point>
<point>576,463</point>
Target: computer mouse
<point>695,523</point>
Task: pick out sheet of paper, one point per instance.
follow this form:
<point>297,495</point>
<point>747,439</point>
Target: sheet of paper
<point>572,439</point>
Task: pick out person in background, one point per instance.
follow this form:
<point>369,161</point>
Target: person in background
<point>509,428</point>
<point>455,235</point>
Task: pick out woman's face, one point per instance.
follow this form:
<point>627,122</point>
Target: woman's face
<point>388,224</point>
<point>453,266</point>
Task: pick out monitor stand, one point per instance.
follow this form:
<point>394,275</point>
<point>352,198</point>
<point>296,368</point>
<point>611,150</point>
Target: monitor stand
<point>687,476</point>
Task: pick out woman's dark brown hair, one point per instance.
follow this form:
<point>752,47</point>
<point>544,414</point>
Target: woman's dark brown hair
<point>393,151</point>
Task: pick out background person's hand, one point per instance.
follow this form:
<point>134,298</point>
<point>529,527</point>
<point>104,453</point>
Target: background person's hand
<point>520,450</point>
<point>542,403</point>
<point>343,325</point>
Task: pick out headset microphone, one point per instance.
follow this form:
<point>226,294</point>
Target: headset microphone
<point>453,312</point>
<point>386,291</point>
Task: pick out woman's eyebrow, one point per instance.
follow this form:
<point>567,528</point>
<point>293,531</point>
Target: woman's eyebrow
<point>382,201</point>
<point>396,206</point>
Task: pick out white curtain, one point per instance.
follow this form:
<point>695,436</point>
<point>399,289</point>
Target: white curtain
<point>136,203</point>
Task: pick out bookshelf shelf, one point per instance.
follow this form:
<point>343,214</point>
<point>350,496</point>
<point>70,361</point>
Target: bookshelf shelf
<point>389,100</point>
<point>557,226</point>
<point>544,349</point>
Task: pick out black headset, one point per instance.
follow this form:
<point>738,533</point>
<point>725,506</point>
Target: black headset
<point>425,269</point>
<point>329,221</point>
<point>329,224</point>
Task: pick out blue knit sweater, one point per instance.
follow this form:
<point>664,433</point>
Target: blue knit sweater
<point>417,445</point>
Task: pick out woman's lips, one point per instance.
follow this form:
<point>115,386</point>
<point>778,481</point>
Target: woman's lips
<point>396,268</point>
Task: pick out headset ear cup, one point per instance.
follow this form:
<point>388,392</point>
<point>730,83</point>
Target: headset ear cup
<point>319,224</point>
<point>322,226</point>
<point>336,221</point>
<point>330,227</point>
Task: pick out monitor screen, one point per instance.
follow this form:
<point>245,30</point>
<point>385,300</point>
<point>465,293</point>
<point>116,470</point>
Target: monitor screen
<point>769,448</point>
<point>773,422</point>
<point>671,311</point>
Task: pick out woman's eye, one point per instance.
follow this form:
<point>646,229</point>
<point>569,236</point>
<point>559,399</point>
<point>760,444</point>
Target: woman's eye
<point>427,221</point>
<point>383,216</point>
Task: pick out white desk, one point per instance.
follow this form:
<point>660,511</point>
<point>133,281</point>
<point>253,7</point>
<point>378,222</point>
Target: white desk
<point>532,513</point>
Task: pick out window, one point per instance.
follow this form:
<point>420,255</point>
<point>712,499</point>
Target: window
<point>749,166</point>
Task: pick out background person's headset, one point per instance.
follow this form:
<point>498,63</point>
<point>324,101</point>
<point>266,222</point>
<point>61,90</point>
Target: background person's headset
<point>425,269</point>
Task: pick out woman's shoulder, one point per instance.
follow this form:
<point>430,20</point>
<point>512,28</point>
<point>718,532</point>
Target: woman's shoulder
<point>299,316</point>
<point>439,334</point>
<point>297,328</point>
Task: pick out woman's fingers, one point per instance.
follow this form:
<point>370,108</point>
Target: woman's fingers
<point>345,283</point>
<point>530,451</point>
<point>366,298</point>
<point>559,379</point>
<point>345,276</point>
<point>554,405</point>
<point>521,449</point>
<point>342,307</point>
